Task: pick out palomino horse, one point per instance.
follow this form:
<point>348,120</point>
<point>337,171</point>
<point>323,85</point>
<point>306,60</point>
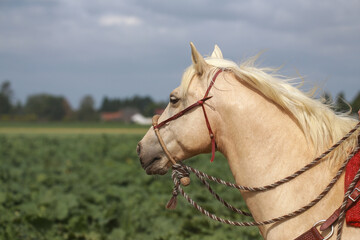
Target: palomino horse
<point>267,129</point>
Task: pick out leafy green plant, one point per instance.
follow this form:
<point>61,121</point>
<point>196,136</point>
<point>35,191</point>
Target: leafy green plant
<point>91,187</point>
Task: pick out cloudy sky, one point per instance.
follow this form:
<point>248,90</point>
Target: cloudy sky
<point>119,48</point>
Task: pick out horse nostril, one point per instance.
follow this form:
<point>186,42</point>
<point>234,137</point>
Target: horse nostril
<point>138,149</point>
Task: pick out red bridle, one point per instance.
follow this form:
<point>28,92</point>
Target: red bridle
<point>201,102</point>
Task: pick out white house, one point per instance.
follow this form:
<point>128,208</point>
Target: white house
<point>140,119</point>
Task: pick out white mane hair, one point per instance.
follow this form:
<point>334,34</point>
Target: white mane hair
<point>321,126</point>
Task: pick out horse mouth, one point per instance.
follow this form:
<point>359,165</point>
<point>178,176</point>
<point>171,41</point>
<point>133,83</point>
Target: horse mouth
<point>152,168</point>
<point>148,164</point>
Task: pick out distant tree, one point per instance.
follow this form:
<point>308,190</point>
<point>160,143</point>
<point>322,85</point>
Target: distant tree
<point>6,95</point>
<point>6,89</point>
<point>18,108</point>
<point>105,105</point>
<point>146,105</point>
<point>69,113</point>
<point>111,105</point>
<point>356,103</point>
<point>326,98</point>
<point>341,104</point>
<point>87,109</point>
<point>46,106</point>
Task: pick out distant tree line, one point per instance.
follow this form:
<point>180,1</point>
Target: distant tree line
<point>146,105</point>
<point>48,107</point>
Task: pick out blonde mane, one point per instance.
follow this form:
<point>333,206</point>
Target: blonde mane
<point>321,126</point>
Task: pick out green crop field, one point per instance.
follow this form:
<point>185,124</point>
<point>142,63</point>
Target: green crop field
<point>90,186</point>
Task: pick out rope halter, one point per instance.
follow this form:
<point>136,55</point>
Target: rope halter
<point>185,180</point>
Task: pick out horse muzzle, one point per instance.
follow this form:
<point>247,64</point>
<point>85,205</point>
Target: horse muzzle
<point>151,161</point>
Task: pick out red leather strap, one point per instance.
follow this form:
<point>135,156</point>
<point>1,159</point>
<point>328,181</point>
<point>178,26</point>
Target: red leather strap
<point>179,114</point>
<point>198,103</point>
<point>213,144</point>
<point>212,82</point>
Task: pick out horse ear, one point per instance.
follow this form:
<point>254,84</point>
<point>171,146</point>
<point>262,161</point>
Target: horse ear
<point>198,60</point>
<point>217,52</point>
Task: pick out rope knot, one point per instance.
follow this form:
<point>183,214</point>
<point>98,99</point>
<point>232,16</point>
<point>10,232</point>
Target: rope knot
<point>180,171</point>
<point>180,175</point>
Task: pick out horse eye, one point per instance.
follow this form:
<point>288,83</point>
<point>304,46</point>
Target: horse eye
<point>174,99</point>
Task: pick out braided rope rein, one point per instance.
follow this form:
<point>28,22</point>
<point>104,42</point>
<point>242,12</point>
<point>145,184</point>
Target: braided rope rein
<point>180,171</point>
<point>282,181</point>
<point>257,223</point>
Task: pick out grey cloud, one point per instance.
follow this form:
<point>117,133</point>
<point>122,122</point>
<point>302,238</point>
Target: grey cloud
<point>56,44</point>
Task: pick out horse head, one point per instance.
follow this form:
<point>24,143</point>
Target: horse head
<point>188,135</point>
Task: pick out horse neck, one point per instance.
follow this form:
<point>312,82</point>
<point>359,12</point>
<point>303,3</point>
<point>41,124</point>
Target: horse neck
<point>263,144</point>
<point>258,137</point>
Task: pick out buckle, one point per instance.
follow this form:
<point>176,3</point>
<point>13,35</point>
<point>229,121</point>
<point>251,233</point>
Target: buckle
<point>357,195</point>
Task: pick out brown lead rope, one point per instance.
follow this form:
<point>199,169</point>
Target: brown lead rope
<point>282,181</point>
<point>181,172</point>
<point>257,223</point>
